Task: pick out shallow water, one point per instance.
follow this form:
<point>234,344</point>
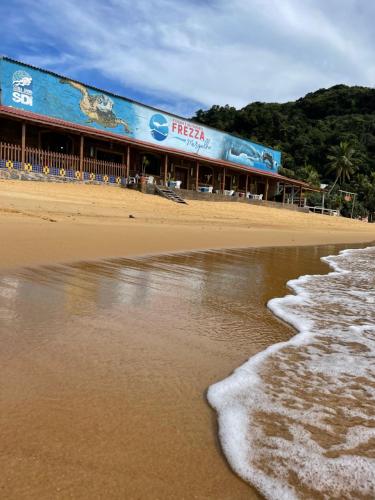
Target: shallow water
<point>105,367</point>
<point>298,420</point>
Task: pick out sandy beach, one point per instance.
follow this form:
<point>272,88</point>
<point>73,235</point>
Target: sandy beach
<point>45,223</point>
<point>106,365</point>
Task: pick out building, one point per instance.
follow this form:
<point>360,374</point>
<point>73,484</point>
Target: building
<point>56,126</point>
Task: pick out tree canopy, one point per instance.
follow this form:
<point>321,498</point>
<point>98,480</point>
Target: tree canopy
<point>310,132</point>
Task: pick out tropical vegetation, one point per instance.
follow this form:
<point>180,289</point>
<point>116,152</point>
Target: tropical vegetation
<point>326,137</point>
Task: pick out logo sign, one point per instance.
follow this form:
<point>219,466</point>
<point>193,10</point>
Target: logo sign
<point>188,130</point>
<point>159,127</point>
<point>191,134</point>
<point>22,88</point>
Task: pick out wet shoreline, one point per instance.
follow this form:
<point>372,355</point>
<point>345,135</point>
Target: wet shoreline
<point>106,367</point>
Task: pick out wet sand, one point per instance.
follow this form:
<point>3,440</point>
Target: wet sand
<point>42,223</point>
<point>105,367</point>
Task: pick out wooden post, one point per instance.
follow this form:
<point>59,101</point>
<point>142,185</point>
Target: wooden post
<point>266,190</point>
<point>128,162</point>
<point>81,157</point>
<point>23,143</point>
<point>300,197</point>
<point>283,194</point>
<point>353,203</point>
<point>165,169</point>
<point>223,181</point>
<point>188,175</point>
<point>246,185</point>
<point>197,177</point>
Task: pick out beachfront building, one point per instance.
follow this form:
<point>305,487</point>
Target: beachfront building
<point>52,125</point>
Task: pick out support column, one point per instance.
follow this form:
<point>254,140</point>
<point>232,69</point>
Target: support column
<point>81,144</point>
<point>197,177</point>
<point>128,162</point>
<point>283,194</point>
<point>187,175</point>
<point>165,169</point>
<point>223,181</point>
<point>266,190</point>
<point>292,195</point>
<point>300,197</point>
<point>246,185</point>
<point>23,143</point>
<point>353,203</point>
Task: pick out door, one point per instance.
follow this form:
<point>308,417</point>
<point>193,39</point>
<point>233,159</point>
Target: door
<point>181,174</point>
<point>228,182</point>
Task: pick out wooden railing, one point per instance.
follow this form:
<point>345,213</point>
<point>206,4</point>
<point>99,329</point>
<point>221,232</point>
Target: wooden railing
<point>51,159</point>
<point>101,167</point>
<point>42,158</point>
<point>10,152</point>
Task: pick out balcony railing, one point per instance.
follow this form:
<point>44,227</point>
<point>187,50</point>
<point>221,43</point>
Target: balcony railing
<point>48,161</point>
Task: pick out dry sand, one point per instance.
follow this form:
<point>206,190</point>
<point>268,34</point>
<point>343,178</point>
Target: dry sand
<point>44,223</point>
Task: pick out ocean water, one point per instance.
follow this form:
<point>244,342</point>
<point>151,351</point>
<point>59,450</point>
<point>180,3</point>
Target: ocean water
<point>298,419</point>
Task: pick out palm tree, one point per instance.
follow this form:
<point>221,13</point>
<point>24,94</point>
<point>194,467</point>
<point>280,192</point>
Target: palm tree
<point>342,161</point>
<point>309,174</point>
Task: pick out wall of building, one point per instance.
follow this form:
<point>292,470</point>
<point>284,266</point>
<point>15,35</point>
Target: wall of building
<point>48,94</point>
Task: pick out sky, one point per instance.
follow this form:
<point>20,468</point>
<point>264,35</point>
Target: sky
<point>185,55</point>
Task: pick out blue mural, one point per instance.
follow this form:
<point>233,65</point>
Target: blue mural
<point>47,94</point>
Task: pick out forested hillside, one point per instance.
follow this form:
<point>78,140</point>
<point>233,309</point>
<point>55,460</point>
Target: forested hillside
<point>327,136</point>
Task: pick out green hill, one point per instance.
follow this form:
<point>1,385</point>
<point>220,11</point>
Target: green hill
<point>307,130</point>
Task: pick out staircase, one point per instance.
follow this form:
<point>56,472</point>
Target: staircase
<point>169,194</point>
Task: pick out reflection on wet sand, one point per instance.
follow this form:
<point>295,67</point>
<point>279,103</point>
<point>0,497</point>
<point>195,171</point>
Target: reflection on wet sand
<point>105,368</point>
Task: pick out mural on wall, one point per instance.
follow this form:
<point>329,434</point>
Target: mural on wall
<point>251,154</point>
<point>97,107</point>
<point>48,94</point>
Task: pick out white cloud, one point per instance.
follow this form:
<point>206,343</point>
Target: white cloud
<point>214,52</point>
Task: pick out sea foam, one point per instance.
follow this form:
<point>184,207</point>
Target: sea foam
<point>297,420</point>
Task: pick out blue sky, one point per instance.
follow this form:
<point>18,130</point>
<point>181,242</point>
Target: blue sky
<point>185,55</point>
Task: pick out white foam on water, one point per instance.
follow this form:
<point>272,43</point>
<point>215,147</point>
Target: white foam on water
<point>297,420</point>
